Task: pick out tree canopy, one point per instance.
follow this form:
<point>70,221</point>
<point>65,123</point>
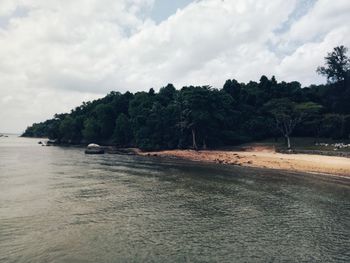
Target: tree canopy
<point>201,116</point>
<point>337,65</point>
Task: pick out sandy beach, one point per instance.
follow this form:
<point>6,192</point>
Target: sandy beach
<point>265,158</point>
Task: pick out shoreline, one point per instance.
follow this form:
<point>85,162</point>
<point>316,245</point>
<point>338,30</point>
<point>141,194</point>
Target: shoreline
<point>257,156</point>
<point>266,159</point>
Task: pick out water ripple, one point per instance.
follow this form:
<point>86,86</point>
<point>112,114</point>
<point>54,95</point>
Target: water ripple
<point>58,205</point>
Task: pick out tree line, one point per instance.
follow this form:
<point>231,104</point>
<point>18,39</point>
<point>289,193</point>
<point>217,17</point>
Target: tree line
<point>199,117</point>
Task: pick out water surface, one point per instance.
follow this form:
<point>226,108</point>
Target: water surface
<point>59,205</point>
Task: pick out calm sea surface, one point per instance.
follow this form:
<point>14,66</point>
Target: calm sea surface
<point>59,205</point>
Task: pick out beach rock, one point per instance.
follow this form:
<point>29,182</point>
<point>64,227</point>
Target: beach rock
<point>94,149</point>
<point>51,143</point>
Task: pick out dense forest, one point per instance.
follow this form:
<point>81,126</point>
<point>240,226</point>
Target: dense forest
<point>200,117</point>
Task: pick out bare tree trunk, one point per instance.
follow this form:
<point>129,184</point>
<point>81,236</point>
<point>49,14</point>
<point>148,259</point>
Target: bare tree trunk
<point>288,141</point>
<point>194,144</point>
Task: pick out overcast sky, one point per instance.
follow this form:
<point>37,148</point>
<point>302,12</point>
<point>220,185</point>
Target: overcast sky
<point>54,54</point>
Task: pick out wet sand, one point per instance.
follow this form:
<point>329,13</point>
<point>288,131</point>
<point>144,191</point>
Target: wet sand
<point>265,158</point>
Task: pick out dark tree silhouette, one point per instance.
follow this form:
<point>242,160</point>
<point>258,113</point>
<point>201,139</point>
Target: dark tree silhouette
<point>337,65</point>
<point>198,117</point>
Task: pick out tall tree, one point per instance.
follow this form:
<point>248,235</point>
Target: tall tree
<point>288,114</point>
<point>196,113</point>
<point>91,130</point>
<point>105,119</point>
<point>122,135</point>
<point>337,65</point>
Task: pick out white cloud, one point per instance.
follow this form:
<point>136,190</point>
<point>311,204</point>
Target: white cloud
<point>325,26</point>
<point>63,52</point>
<point>204,33</point>
<point>7,7</point>
<point>302,64</point>
<point>326,15</point>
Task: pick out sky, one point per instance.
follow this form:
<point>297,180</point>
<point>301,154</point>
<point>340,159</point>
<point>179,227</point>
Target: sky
<point>55,54</point>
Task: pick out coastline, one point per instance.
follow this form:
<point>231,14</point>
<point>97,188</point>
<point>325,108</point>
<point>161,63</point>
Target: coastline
<point>255,156</point>
<point>268,159</point>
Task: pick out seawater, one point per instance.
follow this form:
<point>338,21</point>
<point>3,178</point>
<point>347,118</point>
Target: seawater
<point>60,205</point>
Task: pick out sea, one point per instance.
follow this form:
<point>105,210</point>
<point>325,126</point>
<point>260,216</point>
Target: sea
<point>59,205</point>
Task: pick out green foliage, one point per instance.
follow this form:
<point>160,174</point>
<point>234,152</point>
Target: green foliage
<point>335,126</point>
<point>200,116</point>
<point>91,130</point>
<point>67,128</point>
<point>49,128</point>
<point>104,120</point>
<point>122,134</point>
<point>337,65</point>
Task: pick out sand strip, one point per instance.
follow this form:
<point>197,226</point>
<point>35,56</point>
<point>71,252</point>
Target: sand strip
<point>339,166</point>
